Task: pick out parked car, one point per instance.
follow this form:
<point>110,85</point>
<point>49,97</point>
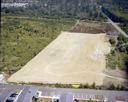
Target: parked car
<point>13,96</point>
<point>37,96</point>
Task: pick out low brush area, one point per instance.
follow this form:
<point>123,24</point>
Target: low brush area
<point>118,58</point>
<point>22,38</point>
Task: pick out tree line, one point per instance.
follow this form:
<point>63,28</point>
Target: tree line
<point>113,17</point>
<point>79,9</point>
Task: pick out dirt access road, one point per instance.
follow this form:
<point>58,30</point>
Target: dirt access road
<point>70,59</point>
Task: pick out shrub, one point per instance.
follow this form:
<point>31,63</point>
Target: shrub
<point>112,41</point>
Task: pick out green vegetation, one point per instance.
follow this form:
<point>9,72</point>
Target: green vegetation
<point>23,37</point>
<point>78,9</point>
<point>80,100</point>
<point>112,42</point>
<point>118,58</point>
<point>120,4</point>
<point>81,86</point>
<point>120,13</point>
<point>119,8</point>
<point>124,26</point>
<point>59,85</point>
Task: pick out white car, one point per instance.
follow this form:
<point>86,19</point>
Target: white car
<point>13,96</point>
<point>38,94</point>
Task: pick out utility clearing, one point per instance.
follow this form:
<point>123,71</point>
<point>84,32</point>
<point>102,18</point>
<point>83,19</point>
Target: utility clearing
<point>72,58</point>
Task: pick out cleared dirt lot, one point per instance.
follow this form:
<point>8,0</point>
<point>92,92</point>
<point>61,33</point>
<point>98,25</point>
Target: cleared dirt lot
<point>70,58</point>
<point>93,27</point>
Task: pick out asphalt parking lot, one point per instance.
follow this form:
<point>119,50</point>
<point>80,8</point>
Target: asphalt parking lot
<point>29,91</point>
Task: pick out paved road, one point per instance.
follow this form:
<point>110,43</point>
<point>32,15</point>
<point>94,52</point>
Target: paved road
<point>27,94</point>
<point>4,94</point>
<point>29,91</point>
<point>6,90</point>
<point>86,93</point>
<point>117,27</point>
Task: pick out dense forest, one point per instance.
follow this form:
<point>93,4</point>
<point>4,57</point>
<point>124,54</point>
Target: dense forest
<point>119,3</point>
<point>114,17</point>
<point>117,10</point>
<point>17,1</point>
<point>79,9</point>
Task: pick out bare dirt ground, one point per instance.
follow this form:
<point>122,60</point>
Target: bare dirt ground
<point>71,58</point>
<point>115,77</point>
<point>93,27</point>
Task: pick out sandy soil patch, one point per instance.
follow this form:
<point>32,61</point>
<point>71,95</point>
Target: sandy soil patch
<point>70,58</point>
